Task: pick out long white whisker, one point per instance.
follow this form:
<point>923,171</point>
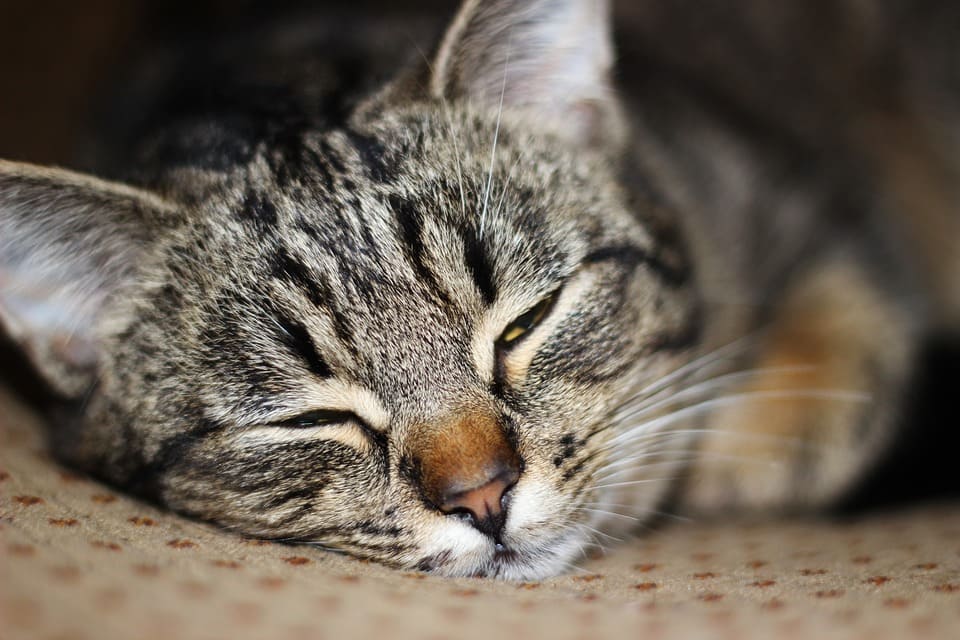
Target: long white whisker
<point>496,136</point>
<point>506,186</point>
<point>609,470</point>
<point>591,540</point>
<point>600,533</point>
<point>631,483</point>
<point>672,516</point>
<point>701,461</point>
<point>609,513</point>
<point>645,510</point>
<point>702,407</point>
<point>702,363</point>
<point>653,403</point>
<point>665,437</point>
<point>687,454</point>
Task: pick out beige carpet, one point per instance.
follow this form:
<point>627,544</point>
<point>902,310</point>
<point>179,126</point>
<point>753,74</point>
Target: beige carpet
<point>78,560</point>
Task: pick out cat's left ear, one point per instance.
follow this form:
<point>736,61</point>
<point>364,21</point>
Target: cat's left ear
<point>68,243</point>
<point>551,58</point>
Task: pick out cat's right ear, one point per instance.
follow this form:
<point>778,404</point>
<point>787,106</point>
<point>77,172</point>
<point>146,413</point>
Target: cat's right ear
<point>67,243</point>
<point>551,59</point>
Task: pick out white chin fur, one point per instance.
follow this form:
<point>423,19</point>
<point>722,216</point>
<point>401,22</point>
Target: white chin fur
<point>522,562</point>
<point>456,549</point>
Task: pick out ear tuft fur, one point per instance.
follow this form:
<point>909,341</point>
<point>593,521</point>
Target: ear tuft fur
<point>549,58</point>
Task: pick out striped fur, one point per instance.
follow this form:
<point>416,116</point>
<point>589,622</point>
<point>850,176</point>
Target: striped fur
<point>308,278</point>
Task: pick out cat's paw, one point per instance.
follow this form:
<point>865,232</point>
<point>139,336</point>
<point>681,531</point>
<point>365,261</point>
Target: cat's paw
<point>827,389</point>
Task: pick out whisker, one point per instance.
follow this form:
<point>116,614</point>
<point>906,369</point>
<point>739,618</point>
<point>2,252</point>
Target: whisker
<point>609,513</point>
<point>600,533</point>
<point>506,185</point>
<point>702,363</point>
<point>645,510</point>
<point>570,565</point>
<point>654,451</point>
<point>651,465</point>
<point>630,483</point>
<point>590,540</point>
<point>699,460</point>
<point>667,514</point>
<point>653,403</point>
<point>496,136</point>
<point>451,130</point>
<point>692,455</point>
<point>665,436</point>
<point>723,401</point>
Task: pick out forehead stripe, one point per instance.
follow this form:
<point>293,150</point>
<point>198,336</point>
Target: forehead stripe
<point>411,230</point>
<point>258,210</point>
<point>297,339</point>
<point>479,267</point>
<point>293,272</point>
<point>371,154</point>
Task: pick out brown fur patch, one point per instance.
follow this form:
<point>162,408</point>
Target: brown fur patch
<point>832,336</point>
<point>462,453</point>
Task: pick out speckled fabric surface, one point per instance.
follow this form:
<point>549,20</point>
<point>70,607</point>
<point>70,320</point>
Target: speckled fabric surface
<point>80,561</point>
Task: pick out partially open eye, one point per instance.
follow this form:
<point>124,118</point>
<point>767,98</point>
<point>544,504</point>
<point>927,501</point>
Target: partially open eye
<point>530,319</point>
<point>318,418</point>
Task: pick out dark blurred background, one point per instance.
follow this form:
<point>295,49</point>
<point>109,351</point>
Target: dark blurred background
<point>54,55</point>
<point>58,56</point>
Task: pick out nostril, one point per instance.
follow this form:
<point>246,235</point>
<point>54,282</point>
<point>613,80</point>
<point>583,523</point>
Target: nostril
<point>484,507</point>
<point>490,523</point>
<point>487,498</point>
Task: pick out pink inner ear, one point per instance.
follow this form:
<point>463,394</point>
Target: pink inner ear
<point>73,349</point>
<point>43,318</point>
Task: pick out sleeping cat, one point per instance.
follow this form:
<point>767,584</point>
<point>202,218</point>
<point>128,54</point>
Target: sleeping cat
<point>499,307</point>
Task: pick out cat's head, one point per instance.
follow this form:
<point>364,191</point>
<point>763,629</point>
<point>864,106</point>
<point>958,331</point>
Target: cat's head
<point>414,338</point>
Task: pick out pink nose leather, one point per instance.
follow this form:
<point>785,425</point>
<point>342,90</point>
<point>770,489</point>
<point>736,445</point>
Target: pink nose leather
<point>483,502</point>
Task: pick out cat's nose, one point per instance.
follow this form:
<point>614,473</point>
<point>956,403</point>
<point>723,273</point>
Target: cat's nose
<point>467,467</point>
<point>485,505</point>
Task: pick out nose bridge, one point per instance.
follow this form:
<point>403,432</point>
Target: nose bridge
<point>455,450</point>
<point>461,453</point>
<point>466,466</point>
<point>437,374</point>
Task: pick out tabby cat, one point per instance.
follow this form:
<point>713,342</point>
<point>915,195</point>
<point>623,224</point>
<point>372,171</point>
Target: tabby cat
<point>479,315</point>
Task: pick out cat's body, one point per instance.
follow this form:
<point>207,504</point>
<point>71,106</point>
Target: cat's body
<point>464,319</point>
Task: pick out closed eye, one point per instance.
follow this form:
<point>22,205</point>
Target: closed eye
<point>526,322</point>
<point>345,427</point>
<point>318,418</point>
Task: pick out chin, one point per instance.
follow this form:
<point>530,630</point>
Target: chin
<point>458,551</point>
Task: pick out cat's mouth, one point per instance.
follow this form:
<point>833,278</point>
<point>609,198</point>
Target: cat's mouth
<point>506,561</point>
<point>503,561</point>
<point>512,563</point>
<point>501,553</point>
<point>537,541</point>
